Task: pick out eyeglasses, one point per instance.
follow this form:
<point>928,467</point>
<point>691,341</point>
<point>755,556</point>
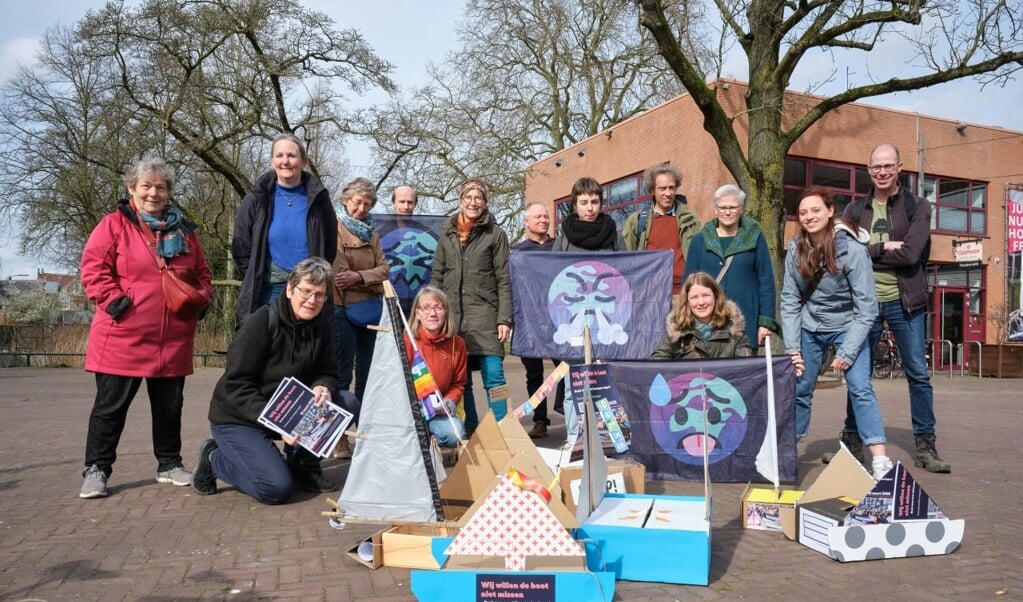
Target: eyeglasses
<point>474,200</point>
<point>887,168</point>
<point>431,309</point>
<point>729,209</point>
<point>307,294</point>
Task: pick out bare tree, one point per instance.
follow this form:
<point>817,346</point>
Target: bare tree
<point>949,40</point>
<point>529,79</point>
<point>204,83</point>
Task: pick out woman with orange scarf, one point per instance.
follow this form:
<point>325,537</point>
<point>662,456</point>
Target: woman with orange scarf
<point>471,267</point>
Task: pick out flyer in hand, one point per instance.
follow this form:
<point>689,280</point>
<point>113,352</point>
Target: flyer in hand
<point>293,411</point>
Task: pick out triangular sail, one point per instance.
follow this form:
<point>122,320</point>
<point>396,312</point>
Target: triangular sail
<point>767,458</point>
<point>392,476</point>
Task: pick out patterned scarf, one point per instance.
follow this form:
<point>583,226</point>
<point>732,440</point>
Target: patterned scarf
<point>361,228</point>
<point>598,235</point>
<point>170,231</point>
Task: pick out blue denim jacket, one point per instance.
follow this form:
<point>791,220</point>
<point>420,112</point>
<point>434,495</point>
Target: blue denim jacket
<point>846,301</point>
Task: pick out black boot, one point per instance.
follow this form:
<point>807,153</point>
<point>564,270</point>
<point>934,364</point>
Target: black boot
<point>853,443</point>
<point>926,455</point>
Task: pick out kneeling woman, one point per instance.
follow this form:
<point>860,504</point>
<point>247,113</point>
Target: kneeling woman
<point>290,337</point>
<point>703,324</point>
<point>445,355</point>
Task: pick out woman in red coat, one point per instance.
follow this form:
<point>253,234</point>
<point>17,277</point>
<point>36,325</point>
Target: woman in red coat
<point>134,335</point>
<point>445,355</point>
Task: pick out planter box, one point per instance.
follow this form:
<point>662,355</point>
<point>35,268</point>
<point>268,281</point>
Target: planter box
<point>1002,361</point>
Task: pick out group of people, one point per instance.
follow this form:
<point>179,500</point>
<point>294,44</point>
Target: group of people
<point>298,252</point>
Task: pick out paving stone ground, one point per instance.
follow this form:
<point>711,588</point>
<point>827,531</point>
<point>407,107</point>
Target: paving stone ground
<point>156,542</point>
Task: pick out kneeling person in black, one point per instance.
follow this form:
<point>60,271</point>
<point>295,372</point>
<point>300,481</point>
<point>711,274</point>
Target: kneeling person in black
<point>290,337</point>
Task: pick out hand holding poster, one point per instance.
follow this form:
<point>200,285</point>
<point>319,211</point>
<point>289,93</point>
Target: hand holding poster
<point>292,411</point>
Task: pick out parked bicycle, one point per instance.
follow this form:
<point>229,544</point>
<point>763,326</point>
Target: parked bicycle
<point>887,360</point>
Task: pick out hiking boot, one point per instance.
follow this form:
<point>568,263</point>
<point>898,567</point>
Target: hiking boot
<point>853,443</point>
<point>926,455</point>
<point>313,481</point>
<point>203,481</point>
<point>95,484</point>
<point>343,450</point>
<point>178,475</point>
<point>539,430</point>
<point>881,465</point>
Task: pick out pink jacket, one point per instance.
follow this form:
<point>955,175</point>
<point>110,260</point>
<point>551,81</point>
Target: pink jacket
<point>145,340</point>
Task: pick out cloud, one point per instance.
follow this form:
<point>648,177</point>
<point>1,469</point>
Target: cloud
<point>16,52</point>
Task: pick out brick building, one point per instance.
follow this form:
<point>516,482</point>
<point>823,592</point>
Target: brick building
<point>968,171</point>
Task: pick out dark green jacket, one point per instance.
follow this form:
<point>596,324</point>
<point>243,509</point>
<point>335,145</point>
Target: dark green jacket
<point>475,279</point>
<point>729,341</point>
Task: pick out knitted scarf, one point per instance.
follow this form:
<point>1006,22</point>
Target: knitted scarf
<point>598,235</point>
<point>361,228</point>
<point>170,230</point>
<point>465,226</point>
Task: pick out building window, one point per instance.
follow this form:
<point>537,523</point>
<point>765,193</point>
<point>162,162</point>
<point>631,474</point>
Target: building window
<point>959,206</point>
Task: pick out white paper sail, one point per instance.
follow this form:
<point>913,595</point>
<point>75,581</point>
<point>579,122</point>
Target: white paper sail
<point>391,476</point>
<point>767,458</point>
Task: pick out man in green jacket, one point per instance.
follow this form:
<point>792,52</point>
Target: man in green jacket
<point>666,223</point>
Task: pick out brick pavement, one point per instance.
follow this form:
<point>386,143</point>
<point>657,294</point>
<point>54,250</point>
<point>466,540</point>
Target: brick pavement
<point>156,542</point>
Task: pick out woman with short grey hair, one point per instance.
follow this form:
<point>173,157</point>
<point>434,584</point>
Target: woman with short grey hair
<point>732,249</point>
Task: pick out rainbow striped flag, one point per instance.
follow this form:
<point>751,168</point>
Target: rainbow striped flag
<point>426,387</point>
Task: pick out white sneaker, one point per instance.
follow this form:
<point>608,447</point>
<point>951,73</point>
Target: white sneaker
<point>881,466</point>
<point>178,475</point>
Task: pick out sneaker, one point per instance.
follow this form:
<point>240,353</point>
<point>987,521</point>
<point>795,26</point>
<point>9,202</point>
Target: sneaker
<point>881,465</point>
<point>178,475</point>
<point>539,430</point>
<point>313,481</point>
<point>203,480</point>
<point>926,455</point>
<point>95,484</point>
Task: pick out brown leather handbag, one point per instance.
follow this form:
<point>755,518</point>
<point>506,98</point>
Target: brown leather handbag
<point>182,291</point>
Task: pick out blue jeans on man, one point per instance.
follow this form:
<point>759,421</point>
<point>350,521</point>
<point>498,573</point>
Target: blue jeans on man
<point>861,393</point>
<point>908,329</point>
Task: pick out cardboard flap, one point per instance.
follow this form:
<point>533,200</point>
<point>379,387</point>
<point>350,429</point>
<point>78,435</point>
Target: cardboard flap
<point>493,449</point>
<point>843,476</point>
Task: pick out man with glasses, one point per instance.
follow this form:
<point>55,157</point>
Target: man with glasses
<point>898,239</point>
<point>666,223</point>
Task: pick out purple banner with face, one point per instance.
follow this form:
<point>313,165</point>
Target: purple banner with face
<point>670,402</point>
<point>409,243</point>
<point>623,297</point>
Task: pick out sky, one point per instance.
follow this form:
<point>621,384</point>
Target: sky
<point>412,34</point>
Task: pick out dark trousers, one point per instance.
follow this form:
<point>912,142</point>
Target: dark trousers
<point>354,350</point>
<point>114,395</point>
<point>248,458</point>
<point>534,378</point>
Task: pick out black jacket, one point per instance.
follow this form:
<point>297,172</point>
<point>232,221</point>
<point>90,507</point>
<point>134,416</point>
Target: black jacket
<point>250,248</point>
<point>257,362</point>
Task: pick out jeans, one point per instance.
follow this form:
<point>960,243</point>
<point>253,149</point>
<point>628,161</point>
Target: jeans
<point>857,380</point>
<point>354,349</point>
<point>443,428</point>
<point>247,458</point>
<point>492,371</point>
<point>534,378</point>
<point>271,292</point>
<point>114,395</point>
<point>908,329</point>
